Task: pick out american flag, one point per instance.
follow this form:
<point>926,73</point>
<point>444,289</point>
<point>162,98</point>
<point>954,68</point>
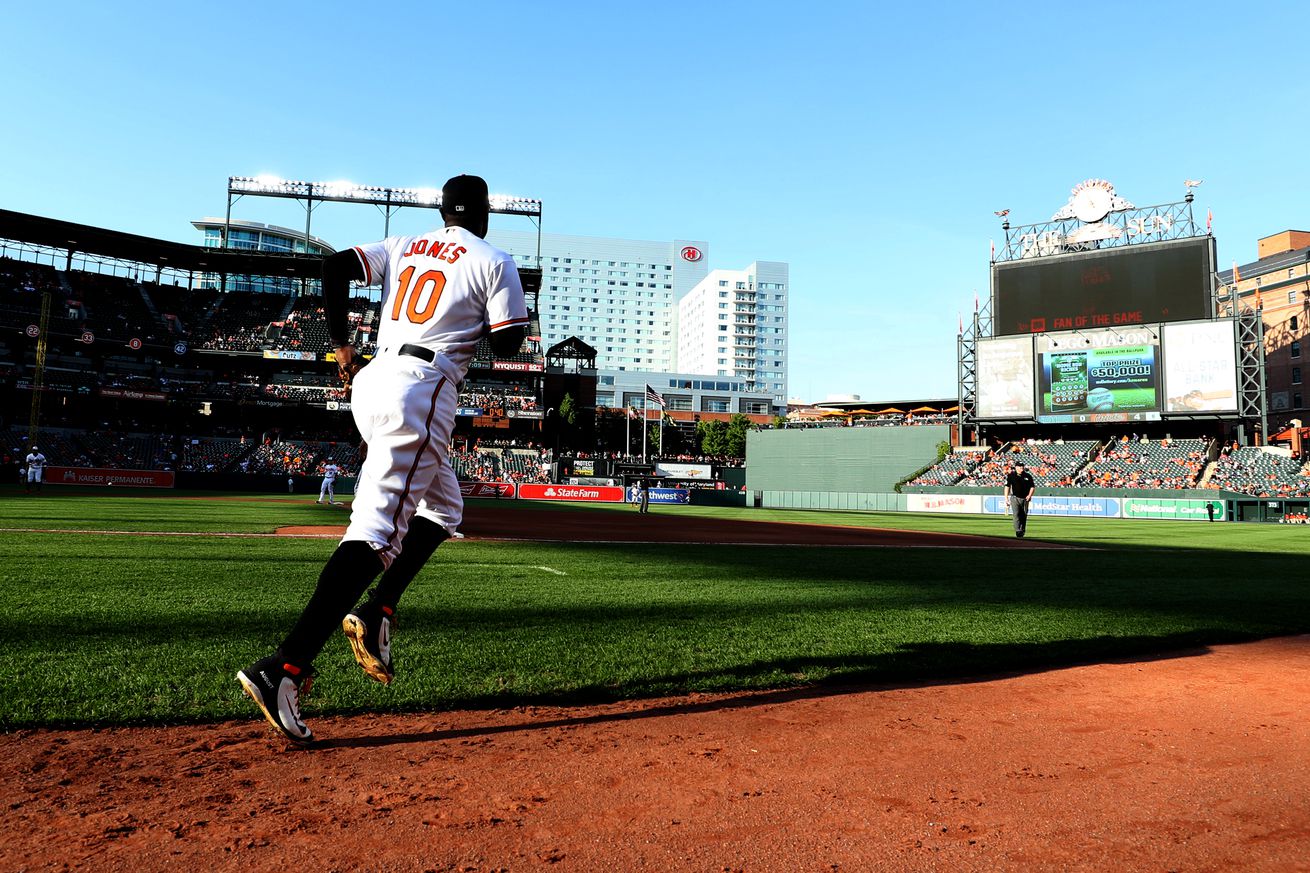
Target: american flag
<point>652,394</point>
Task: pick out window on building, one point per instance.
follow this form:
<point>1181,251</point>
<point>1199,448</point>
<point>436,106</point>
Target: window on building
<point>1292,323</point>
<point>1296,348</point>
<point>1296,401</point>
<point>1296,375</point>
<point>1291,296</point>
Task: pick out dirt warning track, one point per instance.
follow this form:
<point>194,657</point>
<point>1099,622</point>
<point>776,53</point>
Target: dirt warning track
<point>485,521</point>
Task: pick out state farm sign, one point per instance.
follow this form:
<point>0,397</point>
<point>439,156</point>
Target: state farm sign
<point>576,493</point>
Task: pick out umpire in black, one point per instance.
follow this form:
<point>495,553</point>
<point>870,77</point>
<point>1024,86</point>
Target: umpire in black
<point>1019,488</point>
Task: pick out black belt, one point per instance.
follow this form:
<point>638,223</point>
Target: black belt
<point>418,352</point>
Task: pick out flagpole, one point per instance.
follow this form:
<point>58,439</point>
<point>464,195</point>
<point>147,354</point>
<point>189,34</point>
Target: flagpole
<point>627,431</point>
<point>644,404</point>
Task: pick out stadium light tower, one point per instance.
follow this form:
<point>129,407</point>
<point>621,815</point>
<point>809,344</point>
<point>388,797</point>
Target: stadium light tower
<point>387,200</point>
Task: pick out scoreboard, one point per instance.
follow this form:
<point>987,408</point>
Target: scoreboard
<point>1141,373</point>
<point>1121,287</point>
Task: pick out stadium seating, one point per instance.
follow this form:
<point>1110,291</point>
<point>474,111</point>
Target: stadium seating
<point>240,320</point>
<point>302,458</point>
<point>57,445</point>
<point>950,469</point>
<point>1146,464</point>
<point>1252,470</point>
<point>214,455</point>
<point>1053,464</point>
<point>305,327</point>
<point>112,307</point>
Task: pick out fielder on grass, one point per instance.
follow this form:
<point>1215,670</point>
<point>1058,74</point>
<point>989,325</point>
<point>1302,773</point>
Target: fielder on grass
<point>442,292</point>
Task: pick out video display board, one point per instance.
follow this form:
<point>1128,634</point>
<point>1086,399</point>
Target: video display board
<point>1200,367</point>
<point>1099,376</point>
<point>1133,285</point>
<point>1005,378</point>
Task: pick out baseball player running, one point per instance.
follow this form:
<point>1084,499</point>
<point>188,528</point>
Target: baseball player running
<point>442,291</point>
<point>35,469</point>
<point>328,488</point>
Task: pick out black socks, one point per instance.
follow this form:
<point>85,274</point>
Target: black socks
<point>420,542</point>
<point>344,578</point>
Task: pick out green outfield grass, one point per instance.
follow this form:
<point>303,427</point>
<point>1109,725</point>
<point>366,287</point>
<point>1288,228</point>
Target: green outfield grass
<point>111,629</point>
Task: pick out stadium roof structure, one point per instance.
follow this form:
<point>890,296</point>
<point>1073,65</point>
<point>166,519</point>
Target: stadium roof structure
<point>79,238</point>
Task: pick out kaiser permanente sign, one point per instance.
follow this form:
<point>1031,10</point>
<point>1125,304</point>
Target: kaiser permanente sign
<point>1181,509</point>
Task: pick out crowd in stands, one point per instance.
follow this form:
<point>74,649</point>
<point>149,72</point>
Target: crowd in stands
<point>487,463</point>
<point>1166,464</point>
<point>497,401</point>
<point>213,455</point>
<point>1252,470</point>
<point>1123,462</point>
<point>908,419</point>
<point>305,328</point>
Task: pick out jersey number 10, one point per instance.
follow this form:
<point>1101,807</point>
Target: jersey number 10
<point>415,293</point>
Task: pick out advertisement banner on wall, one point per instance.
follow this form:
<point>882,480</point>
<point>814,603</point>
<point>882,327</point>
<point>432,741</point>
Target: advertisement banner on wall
<point>1200,367</point>
<point>970,503</point>
<point>1099,372</point>
<point>1092,507</point>
<point>486,489</point>
<point>286,355</point>
<point>574,493</point>
<point>1179,509</point>
<point>660,495</point>
<point>105,476</point>
<point>1005,378</point>
<point>132,394</point>
<point>583,467</point>
<point>684,471</point>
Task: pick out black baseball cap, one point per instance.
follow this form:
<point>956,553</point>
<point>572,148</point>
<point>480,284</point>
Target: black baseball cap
<point>465,195</point>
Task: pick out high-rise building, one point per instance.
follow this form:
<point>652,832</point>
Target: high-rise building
<point>733,324</point>
<point>618,296</point>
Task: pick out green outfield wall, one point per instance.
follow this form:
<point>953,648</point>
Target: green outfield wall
<point>837,467</point>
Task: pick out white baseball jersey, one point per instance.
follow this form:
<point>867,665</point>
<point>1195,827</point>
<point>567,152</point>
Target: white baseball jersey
<point>35,461</point>
<point>330,472</point>
<point>443,290</point>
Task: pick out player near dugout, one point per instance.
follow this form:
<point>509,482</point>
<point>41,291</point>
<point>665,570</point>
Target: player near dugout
<point>442,292</point>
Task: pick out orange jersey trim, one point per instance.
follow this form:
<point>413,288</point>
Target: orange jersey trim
<point>499,325</point>
<point>368,271</point>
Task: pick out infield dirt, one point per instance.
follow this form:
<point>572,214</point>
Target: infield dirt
<point>1196,761</point>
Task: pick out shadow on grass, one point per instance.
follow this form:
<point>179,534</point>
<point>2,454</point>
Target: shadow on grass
<point>919,665</point>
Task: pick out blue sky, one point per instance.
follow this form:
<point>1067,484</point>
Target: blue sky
<point>866,146</point>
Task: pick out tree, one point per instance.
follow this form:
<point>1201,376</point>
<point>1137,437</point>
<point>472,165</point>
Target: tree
<point>713,436</point>
<point>568,410</point>
<point>735,439</point>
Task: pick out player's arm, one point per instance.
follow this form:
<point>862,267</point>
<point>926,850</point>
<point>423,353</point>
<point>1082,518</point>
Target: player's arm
<point>339,270</point>
<point>507,312</point>
<point>508,340</point>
